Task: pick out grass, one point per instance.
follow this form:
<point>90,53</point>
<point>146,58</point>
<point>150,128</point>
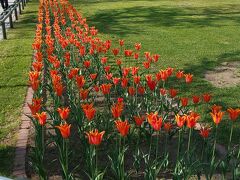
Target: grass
<point>15,59</point>
<point>192,35</point>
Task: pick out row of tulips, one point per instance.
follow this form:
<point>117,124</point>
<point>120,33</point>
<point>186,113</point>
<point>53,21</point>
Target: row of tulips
<point>113,102</point>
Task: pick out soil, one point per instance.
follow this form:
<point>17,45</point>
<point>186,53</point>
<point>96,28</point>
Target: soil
<point>225,75</point>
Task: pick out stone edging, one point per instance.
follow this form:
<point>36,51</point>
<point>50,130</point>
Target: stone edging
<point>19,169</point>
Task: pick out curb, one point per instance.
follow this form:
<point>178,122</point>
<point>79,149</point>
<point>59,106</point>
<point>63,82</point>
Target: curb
<point>22,138</point>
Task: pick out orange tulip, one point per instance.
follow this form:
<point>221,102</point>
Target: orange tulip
<point>80,81</point>
<point>192,119</point>
<point>139,120</point>
<point>84,93</point>
<point>180,74</point>
<point>188,78</point>
<point>217,117</point>
<point>95,137</point>
<point>64,130</point>
<point>93,76</point>
<point>89,111</point>
<point>122,127</point>
<point>105,88</point>
<point>215,108</point>
<point>233,113</point>
<point>41,117</point>
<point>180,120</point>
<point>35,106</point>
<point>155,121</point>
<point>117,110</point>
<point>63,112</point>
<point>115,80</point>
<point>121,42</point>
<point>58,89</point>
<point>138,46</point>
<point>136,79</point>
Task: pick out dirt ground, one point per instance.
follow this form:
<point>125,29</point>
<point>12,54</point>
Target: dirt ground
<point>225,75</point>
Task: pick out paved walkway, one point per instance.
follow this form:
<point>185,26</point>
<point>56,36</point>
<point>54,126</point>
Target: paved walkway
<point>7,20</point>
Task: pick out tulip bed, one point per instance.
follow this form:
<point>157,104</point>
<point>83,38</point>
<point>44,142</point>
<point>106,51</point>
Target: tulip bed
<point>109,113</point>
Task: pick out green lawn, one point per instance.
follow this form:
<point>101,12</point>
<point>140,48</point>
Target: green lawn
<point>15,59</point>
<point>195,35</point>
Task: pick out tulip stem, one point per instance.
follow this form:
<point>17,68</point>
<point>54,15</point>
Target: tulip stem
<point>215,141</point>
<point>230,138</point>
<point>189,139</point>
<point>179,142</point>
<point>157,144</point>
<point>149,153</point>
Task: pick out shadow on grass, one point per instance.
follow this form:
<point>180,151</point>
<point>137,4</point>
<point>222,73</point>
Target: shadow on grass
<point>119,21</point>
<point>6,159</point>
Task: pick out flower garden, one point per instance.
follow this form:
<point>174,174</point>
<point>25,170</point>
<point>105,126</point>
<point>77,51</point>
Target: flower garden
<point>108,113</point>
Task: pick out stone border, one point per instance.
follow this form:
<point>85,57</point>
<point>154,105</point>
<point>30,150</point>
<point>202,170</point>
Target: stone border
<point>19,168</point>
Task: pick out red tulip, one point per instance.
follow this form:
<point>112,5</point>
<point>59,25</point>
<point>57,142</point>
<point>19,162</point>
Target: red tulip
<point>41,117</point>
<point>155,121</point>
<point>64,130</point>
<point>64,112</point>
<point>122,127</point>
<point>95,137</point>
<point>233,113</point>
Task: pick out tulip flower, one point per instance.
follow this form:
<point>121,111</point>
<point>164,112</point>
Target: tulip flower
<point>167,126</point>
<point>180,120</point>
<point>121,42</point>
<point>206,97</point>
<point>188,78</point>
<point>179,74</point>
<point>233,113</point>
<point>195,99</point>
<point>217,116</point>
<point>138,46</point>
<point>105,88</point>
<point>115,51</point>
<point>215,108</point>
<point>184,102</point>
<point>80,81</point>
<point>204,132</point>
<point>122,127</point>
<point>95,137</point>
<point>155,121</point>
<point>35,106</point>
<point>89,111</point>
<point>139,120</point>
<point>173,92</point>
<point>64,130</point>
<point>117,110</point>
<point>41,117</point>
<point>131,91</point>
<point>64,112</point>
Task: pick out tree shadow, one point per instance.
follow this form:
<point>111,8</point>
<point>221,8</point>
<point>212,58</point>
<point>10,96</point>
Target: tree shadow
<point>6,159</point>
<point>119,21</point>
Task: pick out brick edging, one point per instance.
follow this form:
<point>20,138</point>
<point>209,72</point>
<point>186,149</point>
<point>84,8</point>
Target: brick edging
<point>19,169</point>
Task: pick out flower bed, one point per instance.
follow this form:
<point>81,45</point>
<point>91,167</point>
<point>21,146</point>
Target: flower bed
<point>109,114</point>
